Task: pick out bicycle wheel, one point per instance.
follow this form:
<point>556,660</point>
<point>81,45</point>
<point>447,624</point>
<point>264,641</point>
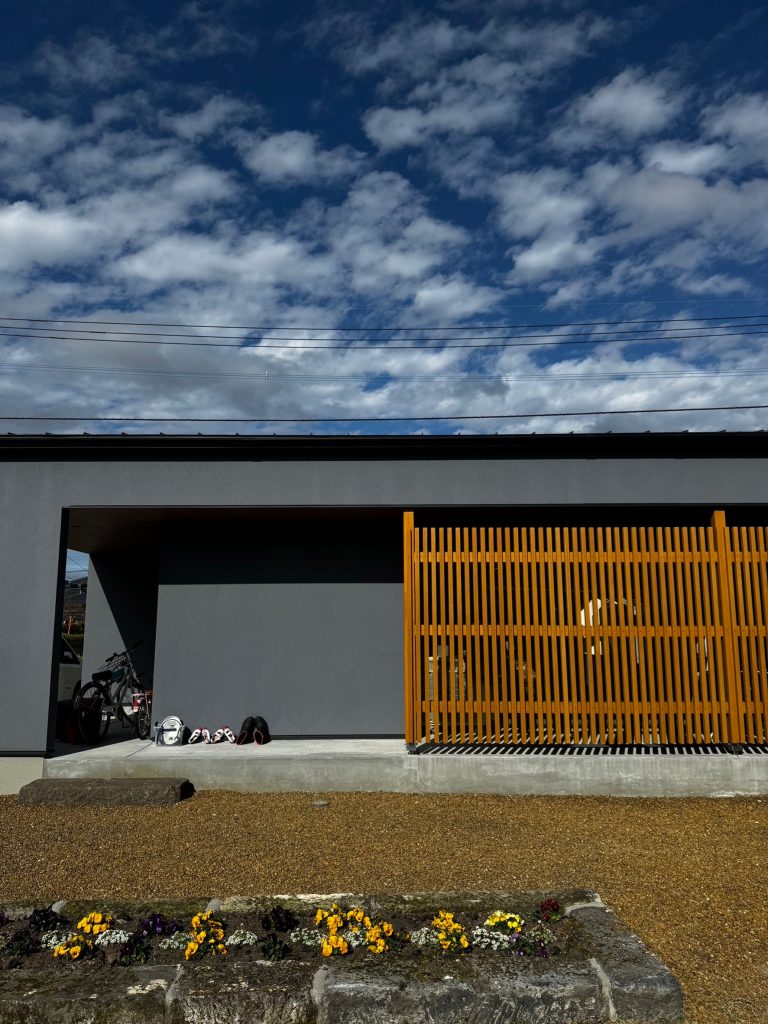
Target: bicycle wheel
<point>142,719</point>
<point>91,718</point>
<point>124,702</point>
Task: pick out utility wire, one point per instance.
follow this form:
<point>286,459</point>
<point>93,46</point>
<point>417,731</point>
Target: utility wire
<point>415,345</point>
<point>386,379</point>
<point>420,328</point>
<point>80,331</point>
<point>458,418</point>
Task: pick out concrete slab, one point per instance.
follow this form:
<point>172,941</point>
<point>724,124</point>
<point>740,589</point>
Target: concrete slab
<point>315,766</point>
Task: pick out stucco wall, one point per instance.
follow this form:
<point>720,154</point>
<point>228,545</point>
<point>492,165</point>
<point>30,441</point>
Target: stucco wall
<point>33,494</point>
<point>303,627</point>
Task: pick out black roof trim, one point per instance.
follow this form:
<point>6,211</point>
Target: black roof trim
<point>76,447</point>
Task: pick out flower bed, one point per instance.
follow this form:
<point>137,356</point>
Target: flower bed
<point>533,929</point>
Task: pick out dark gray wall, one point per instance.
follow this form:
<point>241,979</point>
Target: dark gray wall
<point>303,627</point>
<point>33,494</point>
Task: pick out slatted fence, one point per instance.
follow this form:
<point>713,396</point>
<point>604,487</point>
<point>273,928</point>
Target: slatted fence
<point>588,635</point>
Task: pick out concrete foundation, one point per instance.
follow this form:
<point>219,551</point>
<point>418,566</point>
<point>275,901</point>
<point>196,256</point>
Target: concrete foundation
<point>16,772</point>
<point>384,766</point>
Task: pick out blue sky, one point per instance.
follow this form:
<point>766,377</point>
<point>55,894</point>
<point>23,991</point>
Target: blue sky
<point>329,170</point>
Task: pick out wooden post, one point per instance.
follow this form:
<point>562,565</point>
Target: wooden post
<point>725,589</point>
<point>408,644</point>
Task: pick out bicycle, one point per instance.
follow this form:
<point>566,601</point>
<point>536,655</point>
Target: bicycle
<point>142,714</point>
<point>109,694</point>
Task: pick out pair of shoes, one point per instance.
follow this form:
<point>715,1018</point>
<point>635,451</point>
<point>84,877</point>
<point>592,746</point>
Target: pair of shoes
<point>202,735</point>
<point>223,735</point>
<point>253,730</point>
<point>246,732</point>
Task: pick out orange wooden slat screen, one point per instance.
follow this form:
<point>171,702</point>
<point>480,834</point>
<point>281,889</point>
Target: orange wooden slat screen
<point>597,635</point>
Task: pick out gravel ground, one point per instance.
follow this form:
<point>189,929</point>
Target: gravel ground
<point>690,876</point>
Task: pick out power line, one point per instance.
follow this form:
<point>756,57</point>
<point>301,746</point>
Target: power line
<point>387,379</point>
<point>381,419</point>
<point>415,344</point>
<point>370,330</point>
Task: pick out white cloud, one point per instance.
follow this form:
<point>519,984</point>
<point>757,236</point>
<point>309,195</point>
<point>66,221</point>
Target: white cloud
<point>454,298</point>
<point>549,254</point>
<point>215,113</point>
<point>33,235</point>
<point>482,91</point>
<point>409,45</point>
<point>94,61</point>
<point>294,157</point>
<point>742,121</point>
<point>685,158</point>
<point>632,105</point>
<point>257,257</point>
<point>535,201</point>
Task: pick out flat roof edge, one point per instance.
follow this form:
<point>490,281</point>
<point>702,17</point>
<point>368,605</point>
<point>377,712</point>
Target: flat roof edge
<point>624,445</point>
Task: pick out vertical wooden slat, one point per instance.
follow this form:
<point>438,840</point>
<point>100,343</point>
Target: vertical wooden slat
<point>484,690</point>
<point>723,639</point>
<point>425,610</point>
<point>567,665</point>
<point>430,544</point>
<point>519,646</point>
<point>761,591</point>
<point>725,588</point>
<point>682,626</point>
<point>529,668</point>
<point>462,641</point>
<point>655,659</point>
<point>581,675</point>
<point>627,618</point>
<point>613,623</point>
<point>741,624</point>
<point>644,646</point>
<point>501,642</point>
<point>441,652</point>
<point>477,670</point>
<point>453,668</point>
<point>693,584</point>
<point>607,732</point>
<point>709,661</point>
<point>540,596</point>
<point>493,638</point>
<point>552,727</point>
<point>592,641</point>
<point>659,663</point>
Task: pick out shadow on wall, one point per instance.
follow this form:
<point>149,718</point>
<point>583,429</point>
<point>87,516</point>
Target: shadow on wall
<point>121,609</point>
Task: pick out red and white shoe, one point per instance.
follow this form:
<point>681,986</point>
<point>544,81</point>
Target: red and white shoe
<point>224,735</point>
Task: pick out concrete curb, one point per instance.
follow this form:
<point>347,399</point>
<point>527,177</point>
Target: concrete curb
<point>617,979</point>
<point>320,766</point>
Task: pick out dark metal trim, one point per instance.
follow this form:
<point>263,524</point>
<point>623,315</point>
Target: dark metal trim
<point>149,447</point>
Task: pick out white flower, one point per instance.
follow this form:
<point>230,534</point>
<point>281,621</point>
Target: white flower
<point>112,937</point>
<point>486,938</point>
<point>354,939</point>
<point>50,940</point>
<point>242,937</point>
<point>424,937</point>
<point>178,940</point>
<point>307,937</point>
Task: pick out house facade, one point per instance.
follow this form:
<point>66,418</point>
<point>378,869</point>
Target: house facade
<point>277,576</point>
